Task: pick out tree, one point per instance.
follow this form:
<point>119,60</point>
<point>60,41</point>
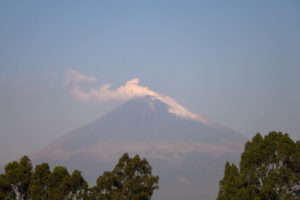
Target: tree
<point>230,183</point>
<point>18,175</point>
<point>131,179</point>
<point>26,169</point>
<point>79,187</point>
<point>39,184</point>
<point>5,187</point>
<point>269,169</point>
<point>59,183</point>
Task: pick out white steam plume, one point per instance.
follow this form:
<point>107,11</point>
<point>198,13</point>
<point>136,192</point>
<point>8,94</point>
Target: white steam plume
<point>125,92</point>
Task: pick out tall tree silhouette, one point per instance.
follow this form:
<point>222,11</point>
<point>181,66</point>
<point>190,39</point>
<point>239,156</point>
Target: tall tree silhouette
<point>269,169</point>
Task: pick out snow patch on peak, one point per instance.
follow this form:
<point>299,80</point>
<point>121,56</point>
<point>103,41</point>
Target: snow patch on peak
<point>173,107</point>
<point>177,109</point>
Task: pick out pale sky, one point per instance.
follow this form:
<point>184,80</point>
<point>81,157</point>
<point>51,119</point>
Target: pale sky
<point>236,62</point>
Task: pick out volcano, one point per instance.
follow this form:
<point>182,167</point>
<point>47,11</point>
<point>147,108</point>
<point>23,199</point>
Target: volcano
<point>187,151</point>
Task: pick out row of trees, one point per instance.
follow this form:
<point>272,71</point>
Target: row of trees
<point>131,179</point>
<point>269,169</point>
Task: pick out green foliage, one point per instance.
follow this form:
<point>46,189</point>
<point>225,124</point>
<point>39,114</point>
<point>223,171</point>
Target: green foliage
<point>230,183</point>
<point>26,170</point>
<point>79,187</point>
<point>57,183</point>
<point>62,185</point>
<point>269,169</point>
<point>18,175</point>
<point>131,179</point>
<point>39,183</point>
<point>5,187</point>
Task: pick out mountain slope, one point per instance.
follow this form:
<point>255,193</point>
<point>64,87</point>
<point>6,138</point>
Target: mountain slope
<point>178,146</point>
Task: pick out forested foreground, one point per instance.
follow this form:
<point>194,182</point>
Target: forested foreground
<point>269,170</point>
<point>131,179</point>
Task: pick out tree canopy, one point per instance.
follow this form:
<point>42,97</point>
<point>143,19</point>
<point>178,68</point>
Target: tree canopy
<point>131,179</point>
<point>269,169</point>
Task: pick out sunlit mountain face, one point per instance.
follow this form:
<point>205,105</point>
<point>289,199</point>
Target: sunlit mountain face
<point>186,150</point>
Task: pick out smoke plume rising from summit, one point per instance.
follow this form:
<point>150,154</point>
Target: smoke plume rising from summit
<point>131,89</point>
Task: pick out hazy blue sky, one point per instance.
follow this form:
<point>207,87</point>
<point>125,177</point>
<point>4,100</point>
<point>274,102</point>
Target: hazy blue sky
<point>238,62</point>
